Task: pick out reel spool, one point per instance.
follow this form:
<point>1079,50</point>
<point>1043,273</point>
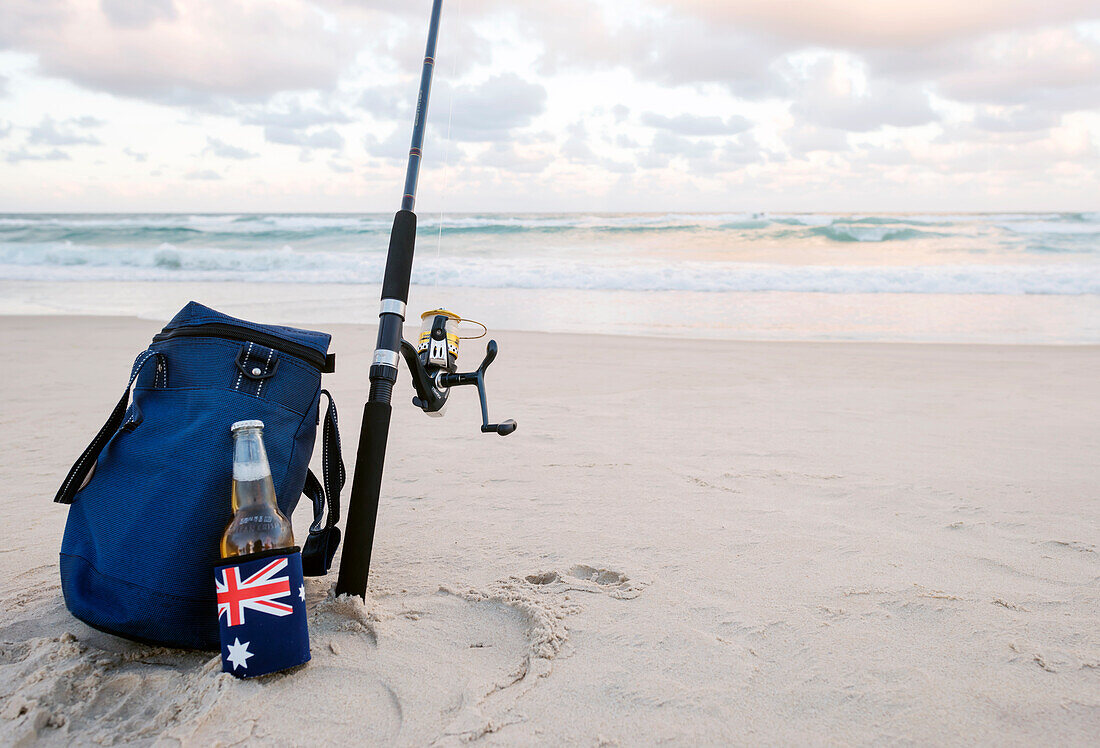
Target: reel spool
<point>439,339</point>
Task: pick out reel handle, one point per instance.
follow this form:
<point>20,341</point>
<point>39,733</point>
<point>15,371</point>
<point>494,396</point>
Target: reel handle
<point>503,428</point>
<point>490,356</point>
<point>477,379</point>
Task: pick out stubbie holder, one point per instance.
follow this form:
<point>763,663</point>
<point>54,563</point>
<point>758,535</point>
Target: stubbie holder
<point>262,613</point>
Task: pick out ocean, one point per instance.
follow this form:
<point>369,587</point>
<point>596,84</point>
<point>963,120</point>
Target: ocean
<point>997,278</point>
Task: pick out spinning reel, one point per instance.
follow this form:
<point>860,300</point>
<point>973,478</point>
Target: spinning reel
<point>433,364</point>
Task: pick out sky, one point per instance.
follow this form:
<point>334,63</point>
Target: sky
<point>551,105</point>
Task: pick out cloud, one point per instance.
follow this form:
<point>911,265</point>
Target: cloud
<point>805,139</point>
<point>872,24</point>
<point>292,123</point>
<point>50,132</point>
<point>221,149</point>
<point>395,147</point>
<point>490,110</point>
<point>652,160</point>
<point>576,147</point>
<point>1004,131</point>
<point>691,52</point>
<point>1039,158</point>
<point>187,53</point>
<point>702,156</point>
<point>862,87</point>
<point>138,14</point>
<point>328,138</point>
<point>746,46</point>
<point>293,115</point>
<point>741,151</point>
<point>396,30</point>
<point>691,124</point>
<point>476,113</point>
<point>829,97</point>
<point>1056,69</point>
<point>657,42</point>
<point>668,144</point>
<point>1014,119</point>
<point>202,174</point>
<point>577,150</point>
<point>884,156</point>
<point>671,50</point>
<point>389,102</point>
<point>619,167</point>
<point>507,158</point>
<point>22,154</point>
<point>5,129</point>
<point>736,154</point>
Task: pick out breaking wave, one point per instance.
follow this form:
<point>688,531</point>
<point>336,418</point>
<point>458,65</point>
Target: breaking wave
<point>284,264</point>
<point>226,230</point>
<point>861,232</point>
<point>1004,253</point>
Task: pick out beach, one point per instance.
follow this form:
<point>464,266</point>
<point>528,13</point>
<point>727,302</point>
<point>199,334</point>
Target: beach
<point>687,541</point>
<point>791,433</point>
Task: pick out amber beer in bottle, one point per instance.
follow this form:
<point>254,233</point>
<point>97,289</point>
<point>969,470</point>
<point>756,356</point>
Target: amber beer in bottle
<point>257,523</point>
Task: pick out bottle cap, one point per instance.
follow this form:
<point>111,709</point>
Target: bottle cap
<point>253,424</point>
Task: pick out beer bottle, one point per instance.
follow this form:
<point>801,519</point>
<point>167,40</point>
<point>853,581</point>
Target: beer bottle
<point>257,523</point>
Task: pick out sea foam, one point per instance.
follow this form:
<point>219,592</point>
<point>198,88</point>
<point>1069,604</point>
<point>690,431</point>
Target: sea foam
<point>730,251</point>
<point>167,262</point>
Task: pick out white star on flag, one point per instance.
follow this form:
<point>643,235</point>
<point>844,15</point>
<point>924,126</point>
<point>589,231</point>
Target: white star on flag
<point>302,592</point>
<point>239,654</point>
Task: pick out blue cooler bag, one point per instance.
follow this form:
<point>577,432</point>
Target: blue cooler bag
<point>150,496</point>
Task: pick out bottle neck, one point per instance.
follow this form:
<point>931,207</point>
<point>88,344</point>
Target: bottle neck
<point>250,466</point>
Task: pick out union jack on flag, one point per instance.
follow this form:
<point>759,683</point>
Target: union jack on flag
<point>258,592</point>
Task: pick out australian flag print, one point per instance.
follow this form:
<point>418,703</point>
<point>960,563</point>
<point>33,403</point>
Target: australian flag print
<point>262,613</point>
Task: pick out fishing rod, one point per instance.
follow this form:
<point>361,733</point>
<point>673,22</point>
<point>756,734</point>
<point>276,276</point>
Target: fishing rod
<point>433,363</point>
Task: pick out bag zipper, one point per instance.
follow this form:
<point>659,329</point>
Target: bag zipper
<point>245,335</point>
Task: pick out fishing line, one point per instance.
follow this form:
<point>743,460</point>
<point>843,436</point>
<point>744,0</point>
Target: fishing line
<point>484,329</point>
<point>446,160</point>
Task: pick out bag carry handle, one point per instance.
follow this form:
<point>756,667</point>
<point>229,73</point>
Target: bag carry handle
<point>85,464</point>
<point>324,535</point>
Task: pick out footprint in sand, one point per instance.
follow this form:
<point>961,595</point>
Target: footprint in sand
<point>614,583</point>
<point>601,577</point>
<point>1068,545</point>
<point>543,577</point>
<point>585,578</point>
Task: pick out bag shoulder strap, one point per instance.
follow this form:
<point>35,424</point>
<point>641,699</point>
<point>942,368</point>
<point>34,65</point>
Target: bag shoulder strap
<point>85,464</point>
<point>324,535</point>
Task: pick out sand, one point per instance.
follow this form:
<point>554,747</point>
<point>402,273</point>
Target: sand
<point>685,541</point>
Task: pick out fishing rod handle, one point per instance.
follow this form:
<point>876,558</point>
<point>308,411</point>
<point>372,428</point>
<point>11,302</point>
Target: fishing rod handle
<point>366,487</point>
<point>391,316</point>
<point>399,260</point>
